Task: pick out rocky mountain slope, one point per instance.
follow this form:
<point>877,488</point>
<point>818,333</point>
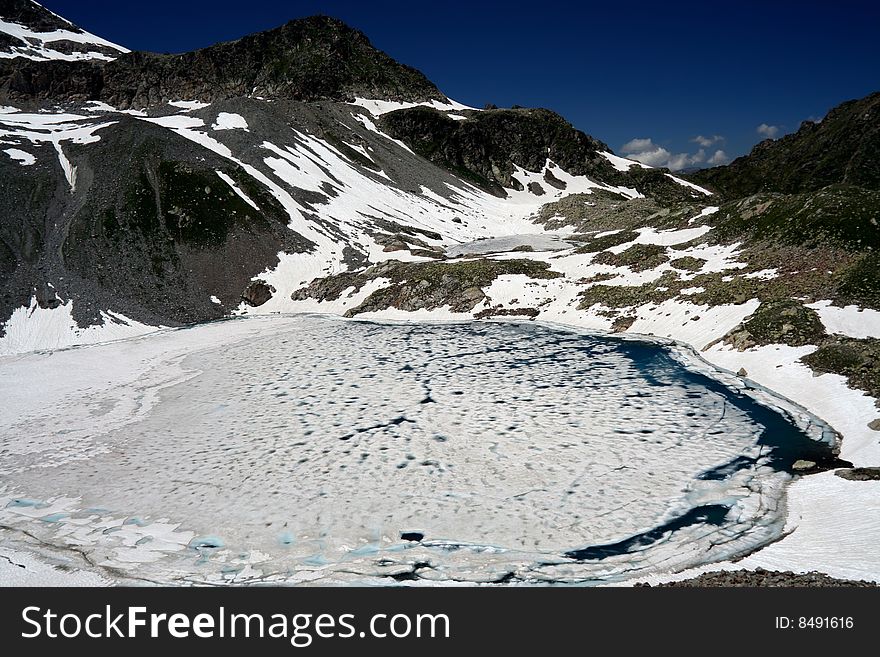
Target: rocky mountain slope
<point>843,148</point>
<point>210,169</point>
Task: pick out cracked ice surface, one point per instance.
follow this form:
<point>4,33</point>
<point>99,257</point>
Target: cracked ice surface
<point>301,448</point>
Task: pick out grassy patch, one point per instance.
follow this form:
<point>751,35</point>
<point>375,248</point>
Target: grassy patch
<point>688,263</point>
<point>838,215</point>
<point>607,241</point>
<point>627,296</point>
<point>429,285</point>
<point>779,322</point>
<point>638,257</point>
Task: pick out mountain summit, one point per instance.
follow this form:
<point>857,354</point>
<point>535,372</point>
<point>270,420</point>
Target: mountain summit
<point>306,59</point>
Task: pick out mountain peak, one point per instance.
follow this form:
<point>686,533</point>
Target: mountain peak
<point>312,58</point>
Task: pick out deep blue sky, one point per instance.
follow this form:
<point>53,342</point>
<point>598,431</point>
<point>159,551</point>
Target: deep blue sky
<point>619,70</point>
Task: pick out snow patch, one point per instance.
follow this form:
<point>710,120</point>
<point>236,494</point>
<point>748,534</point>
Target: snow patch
<point>33,328</point>
<point>379,107</point>
<point>851,321</point>
<point>229,121</point>
<point>687,183</point>
<point>621,163</point>
<point>22,157</point>
<point>235,188</point>
<point>189,105</point>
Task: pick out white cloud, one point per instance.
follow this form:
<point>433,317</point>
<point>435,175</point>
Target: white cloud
<point>768,131</point>
<point>718,157</point>
<point>638,146</point>
<point>644,150</point>
<point>705,142</point>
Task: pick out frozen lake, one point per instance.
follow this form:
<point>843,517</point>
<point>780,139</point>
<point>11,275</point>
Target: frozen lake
<point>307,448</point>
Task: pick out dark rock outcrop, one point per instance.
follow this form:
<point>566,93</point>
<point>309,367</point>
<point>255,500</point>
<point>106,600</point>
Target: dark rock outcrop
<point>257,293</point>
<point>485,149</point>
<point>859,474</point>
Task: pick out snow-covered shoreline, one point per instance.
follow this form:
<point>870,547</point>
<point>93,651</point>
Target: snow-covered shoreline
<point>822,515</point>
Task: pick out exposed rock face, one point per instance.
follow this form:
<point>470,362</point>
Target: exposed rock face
<point>856,359</point>
<point>46,297</point>
<point>843,148</point>
<point>257,293</point>
<point>307,59</point>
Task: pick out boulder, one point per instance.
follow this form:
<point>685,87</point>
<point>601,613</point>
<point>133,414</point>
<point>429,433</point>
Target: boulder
<point>257,293</point>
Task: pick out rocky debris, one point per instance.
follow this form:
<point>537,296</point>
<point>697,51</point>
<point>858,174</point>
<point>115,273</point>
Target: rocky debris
<point>405,232</point>
<point>741,372</point>
<point>764,578</point>
<point>500,311</point>
<point>552,180</point>
<point>332,287</point>
<point>688,263</point>
<point>628,296</point>
<point>606,210</point>
<point>396,245</point>
<point>598,244</point>
<point>257,293</point>
<point>859,474</point>
<point>536,189</point>
<point>405,241</point>
<point>623,323</point>
<point>874,425</point>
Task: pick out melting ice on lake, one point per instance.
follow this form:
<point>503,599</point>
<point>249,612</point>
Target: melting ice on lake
<point>309,448</point>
